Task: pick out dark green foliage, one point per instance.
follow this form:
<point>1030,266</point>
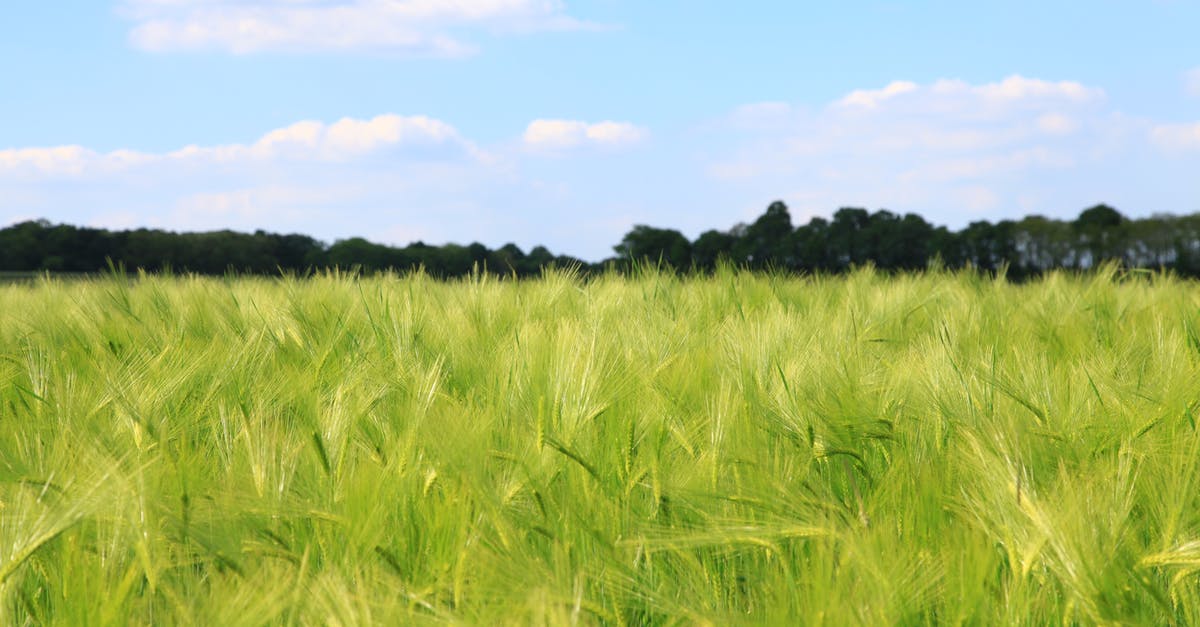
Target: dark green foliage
<point>854,237</point>
<point>710,248</point>
<point>42,246</point>
<point>765,242</point>
<point>666,245</point>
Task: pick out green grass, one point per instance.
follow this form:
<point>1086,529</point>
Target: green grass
<point>741,449</point>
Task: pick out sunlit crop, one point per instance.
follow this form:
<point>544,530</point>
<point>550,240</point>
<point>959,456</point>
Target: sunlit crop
<point>925,449</point>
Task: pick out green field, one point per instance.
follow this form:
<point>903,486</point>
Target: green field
<point>740,449</point>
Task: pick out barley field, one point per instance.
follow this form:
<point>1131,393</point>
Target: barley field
<point>933,449</point>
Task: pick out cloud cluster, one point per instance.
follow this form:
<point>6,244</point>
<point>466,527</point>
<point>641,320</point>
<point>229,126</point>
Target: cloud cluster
<point>561,134</point>
<point>348,138</point>
<point>949,143</point>
<point>872,98</point>
<point>950,150</point>
<point>345,140</point>
<point>989,100</point>
<point>391,178</point>
<point>412,27</point>
<point>1177,137</point>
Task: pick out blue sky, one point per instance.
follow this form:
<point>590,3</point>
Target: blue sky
<point>566,122</point>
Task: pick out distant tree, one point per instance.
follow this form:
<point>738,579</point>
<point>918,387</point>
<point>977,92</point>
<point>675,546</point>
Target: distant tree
<point>847,243</point>
<point>1099,218</point>
<point>1186,236</point>
<point>358,252</point>
<point>1042,244</point>
<point>895,243</point>
<point>1151,242</point>
<point>541,257</point>
<point>766,241</point>
<point>986,246</point>
<point>453,260</point>
<point>1099,230</point>
<point>647,243</point>
<point>419,255</point>
<point>21,246</point>
<point>508,259</point>
<point>711,247</point>
<point>291,252</point>
<point>810,246</point>
<point>1028,247</point>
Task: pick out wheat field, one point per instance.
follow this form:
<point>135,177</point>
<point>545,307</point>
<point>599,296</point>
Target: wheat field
<point>940,448</point>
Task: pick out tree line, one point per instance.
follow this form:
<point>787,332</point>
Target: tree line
<point>35,246</point>
<point>852,237</point>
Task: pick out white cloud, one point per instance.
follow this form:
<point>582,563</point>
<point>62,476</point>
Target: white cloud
<point>292,202</point>
<point>949,95</point>
<point>309,140</point>
<point>59,159</point>
<point>560,134</point>
<point>1057,124</point>
<point>345,139</point>
<point>1019,88</point>
<point>924,123</point>
<point>387,178</point>
<point>614,133</point>
<point>1176,137</point>
<point>67,160</point>
<point>417,27</point>
<point>555,133</point>
<point>950,150</point>
<point>871,98</point>
<point>947,146</point>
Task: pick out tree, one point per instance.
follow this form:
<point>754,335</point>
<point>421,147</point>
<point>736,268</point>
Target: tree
<point>846,241</point>
<point>810,246</point>
<point>766,241</point>
<point>509,258</point>
<point>711,247</point>
<point>292,252</point>
<point>356,251</point>
<point>541,257</point>
<point>1099,231</point>
<point>987,246</point>
<point>896,243</point>
<point>647,243</point>
<point>1032,246</point>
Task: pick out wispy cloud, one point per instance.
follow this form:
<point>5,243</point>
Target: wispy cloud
<point>562,134</point>
<point>951,150</point>
<point>310,140</point>
<point>1177,137</point>
<point>385,177</point>
<point>359,176</point>
<point>872,98</point>
<point>947,147</point>
<point>411,27</point>
<point>920,125</point>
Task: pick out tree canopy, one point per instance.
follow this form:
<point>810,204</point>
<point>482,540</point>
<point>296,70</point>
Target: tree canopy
<point>853,237</point>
